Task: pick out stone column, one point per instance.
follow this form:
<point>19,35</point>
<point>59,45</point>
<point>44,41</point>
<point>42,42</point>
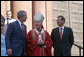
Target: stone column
<point>5,5</point>
<point>45,7</point>
<point>23,5</point>
<point>8,5</point>
<point>49,16</point>
<point>3,8</point>
<point>39,6</point>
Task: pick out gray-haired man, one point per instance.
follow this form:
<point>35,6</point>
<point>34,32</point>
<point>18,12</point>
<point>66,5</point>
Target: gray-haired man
<point>16,35</point>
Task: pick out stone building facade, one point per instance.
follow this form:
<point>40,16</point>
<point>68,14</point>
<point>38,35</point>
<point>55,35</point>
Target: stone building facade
<point>71,10</point>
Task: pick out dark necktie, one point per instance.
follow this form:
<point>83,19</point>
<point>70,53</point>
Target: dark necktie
<point>22,30</point>
<point>61,33</point>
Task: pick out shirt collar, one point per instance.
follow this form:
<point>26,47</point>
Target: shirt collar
<point>62,27</point>
<point>19,22</point>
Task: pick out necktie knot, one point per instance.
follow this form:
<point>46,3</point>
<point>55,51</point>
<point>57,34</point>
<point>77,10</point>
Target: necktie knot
<point>7,22</point>
<point>61,28</point>
<point>21,23</point>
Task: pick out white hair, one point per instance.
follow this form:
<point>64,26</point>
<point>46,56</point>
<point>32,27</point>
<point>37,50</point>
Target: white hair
<point>39,17</point>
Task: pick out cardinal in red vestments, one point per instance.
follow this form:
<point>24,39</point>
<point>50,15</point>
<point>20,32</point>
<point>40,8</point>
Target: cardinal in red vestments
<point>38,40</point>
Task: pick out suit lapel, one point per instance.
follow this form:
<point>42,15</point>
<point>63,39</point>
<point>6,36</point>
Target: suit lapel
<point>58,33</point>
<point>19,31</point>
<point>24,30</point>
<point>18,28</point>
<point>64,33</point>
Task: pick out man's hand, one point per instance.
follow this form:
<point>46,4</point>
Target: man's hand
<point>40,42</point>
<point>9,51</point>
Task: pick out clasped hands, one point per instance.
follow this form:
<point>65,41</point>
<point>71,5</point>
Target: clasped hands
<point>40,42</point>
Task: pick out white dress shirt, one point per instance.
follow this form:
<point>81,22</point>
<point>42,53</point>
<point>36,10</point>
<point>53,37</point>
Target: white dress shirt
<point>9,20</point>
<point>62,29</point>
<point>20,24</point>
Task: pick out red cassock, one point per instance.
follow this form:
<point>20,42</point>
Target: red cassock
<point>38,50</point>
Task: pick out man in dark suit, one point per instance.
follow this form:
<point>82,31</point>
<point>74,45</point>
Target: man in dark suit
<point>62,38</point>
<point>16,36</point>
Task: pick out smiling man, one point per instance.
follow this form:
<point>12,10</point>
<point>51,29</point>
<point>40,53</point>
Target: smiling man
<point>62,38</point>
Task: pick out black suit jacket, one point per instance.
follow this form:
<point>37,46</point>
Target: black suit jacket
<point>62,47</point>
